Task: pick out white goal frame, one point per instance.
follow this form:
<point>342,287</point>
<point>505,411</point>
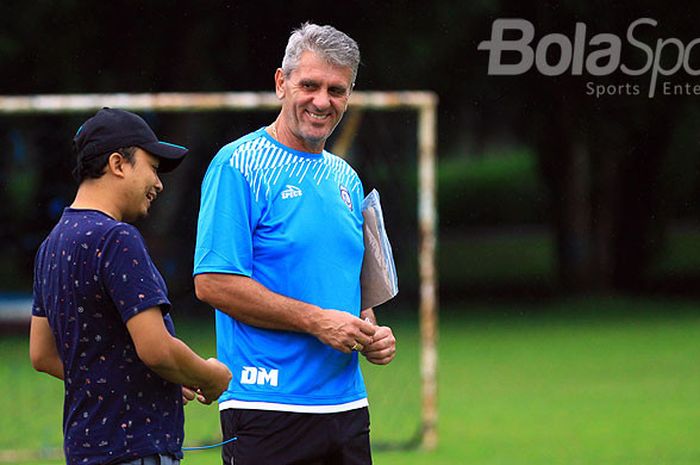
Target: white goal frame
<point>423,102</point>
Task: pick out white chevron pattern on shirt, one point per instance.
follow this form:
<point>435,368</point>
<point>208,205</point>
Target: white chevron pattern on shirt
<point>262,162</point>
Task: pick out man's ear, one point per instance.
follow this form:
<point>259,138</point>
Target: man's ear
<point>279,83</point>
<point>115,164</point>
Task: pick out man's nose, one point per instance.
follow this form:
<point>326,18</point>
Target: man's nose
<point>321,99</point>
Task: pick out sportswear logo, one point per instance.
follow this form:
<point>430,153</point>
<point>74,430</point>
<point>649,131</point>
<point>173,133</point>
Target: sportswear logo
<point>257,375</point>
<point>345,195</point>
<point>291,192</point>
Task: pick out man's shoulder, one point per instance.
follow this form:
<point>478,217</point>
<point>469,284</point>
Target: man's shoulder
<point>97,223</point>
<point>121,230</point>
<point>94,227</point>
<point>333,158</point>
<point>339,164</point>
<point>88,224</point>
<point>245,146</point>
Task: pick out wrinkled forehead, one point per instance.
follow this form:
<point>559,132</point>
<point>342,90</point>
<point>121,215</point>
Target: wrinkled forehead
<point>317,68</point>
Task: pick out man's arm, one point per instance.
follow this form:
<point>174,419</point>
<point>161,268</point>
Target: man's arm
<point>250,302</point>
<point>42,348</point>
<point>383,347</point>
<point>172,359</point>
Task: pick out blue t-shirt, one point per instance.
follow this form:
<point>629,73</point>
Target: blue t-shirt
<point>91,275</point>
<point>291,221</point>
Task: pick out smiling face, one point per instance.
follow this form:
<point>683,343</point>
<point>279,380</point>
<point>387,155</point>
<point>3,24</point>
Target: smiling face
<point>142,185</point>
<point>314,97</point>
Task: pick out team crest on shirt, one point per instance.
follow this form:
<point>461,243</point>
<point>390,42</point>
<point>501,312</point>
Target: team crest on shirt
<point>345,195</point>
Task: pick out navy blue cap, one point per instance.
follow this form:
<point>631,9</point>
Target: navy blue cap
<point>111,129</point>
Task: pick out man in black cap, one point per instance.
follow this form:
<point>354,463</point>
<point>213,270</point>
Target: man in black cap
<point>100,318</point>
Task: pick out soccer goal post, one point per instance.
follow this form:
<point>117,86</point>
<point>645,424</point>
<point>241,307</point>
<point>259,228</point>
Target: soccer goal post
<point>424,103</point>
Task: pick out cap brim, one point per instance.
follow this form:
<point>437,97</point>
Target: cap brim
<point>170,154</point>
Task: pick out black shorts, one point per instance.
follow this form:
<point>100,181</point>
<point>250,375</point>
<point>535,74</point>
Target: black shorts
<point>284,438</point>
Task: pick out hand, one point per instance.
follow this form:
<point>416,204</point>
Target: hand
<point>382,349</point>
<point>218,382</point>
<point>188,394</point>
<point>342,331</point>
<point>192,393</point>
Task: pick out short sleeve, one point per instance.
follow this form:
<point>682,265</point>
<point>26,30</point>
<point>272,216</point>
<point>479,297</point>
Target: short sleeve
<point>227,218</point>
<point>129,275</point>
<point>37,295</point>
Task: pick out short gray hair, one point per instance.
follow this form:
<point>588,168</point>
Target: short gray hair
<point>336,47</point>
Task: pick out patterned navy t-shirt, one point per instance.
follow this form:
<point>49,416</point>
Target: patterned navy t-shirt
<point>91,275</point>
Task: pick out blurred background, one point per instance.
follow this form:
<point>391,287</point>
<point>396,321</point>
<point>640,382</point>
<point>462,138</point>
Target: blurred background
<point>569,240</point>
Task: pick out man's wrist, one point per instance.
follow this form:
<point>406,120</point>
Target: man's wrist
<point>310,321</point>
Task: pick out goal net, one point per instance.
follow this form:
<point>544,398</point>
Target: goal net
<point>388,137</point>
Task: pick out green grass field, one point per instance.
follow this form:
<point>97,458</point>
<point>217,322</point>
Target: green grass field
<point>589,381</point>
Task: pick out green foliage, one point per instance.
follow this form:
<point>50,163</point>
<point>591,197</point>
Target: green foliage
<point>495,189</point>
<point>517,256</point>
<point>680,173</point>
<point>681,255</point>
